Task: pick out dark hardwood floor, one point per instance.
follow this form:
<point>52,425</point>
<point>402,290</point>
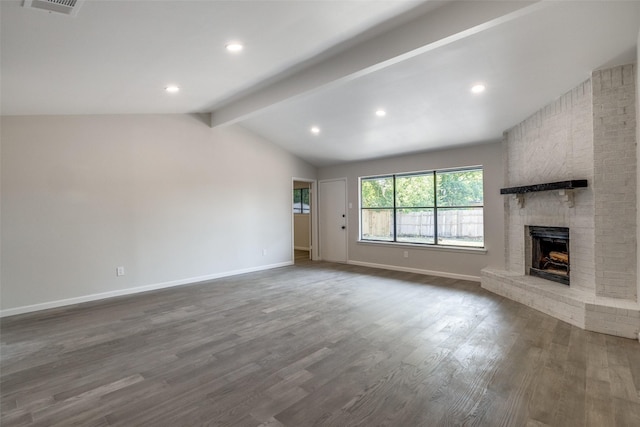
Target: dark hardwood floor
<point>301,256</point>
<point>314,344</point>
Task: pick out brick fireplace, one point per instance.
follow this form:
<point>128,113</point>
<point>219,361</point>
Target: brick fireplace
<point>548,253</point>
<point>587,134</point>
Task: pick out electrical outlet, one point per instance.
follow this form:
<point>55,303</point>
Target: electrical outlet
<point>406,254</point>
<point>264,252</point>
<point>119,271</point>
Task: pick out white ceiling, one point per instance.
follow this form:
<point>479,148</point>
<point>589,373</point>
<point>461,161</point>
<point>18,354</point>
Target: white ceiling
<point>525,63</point>
<point>116,56</point>
<point>326,63</point>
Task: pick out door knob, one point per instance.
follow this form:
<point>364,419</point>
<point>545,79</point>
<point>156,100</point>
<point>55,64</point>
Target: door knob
<point>343,227</point>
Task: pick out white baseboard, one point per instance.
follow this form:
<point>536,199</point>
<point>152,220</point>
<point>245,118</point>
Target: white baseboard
<point>417,271</point>
<point>302,248</point>
<point>137,289</point>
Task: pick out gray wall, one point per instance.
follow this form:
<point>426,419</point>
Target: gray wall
<point>464,264</point>
<point>165,196</point>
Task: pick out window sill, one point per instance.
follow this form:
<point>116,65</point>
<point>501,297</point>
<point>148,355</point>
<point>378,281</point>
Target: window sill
<point>441,248</point>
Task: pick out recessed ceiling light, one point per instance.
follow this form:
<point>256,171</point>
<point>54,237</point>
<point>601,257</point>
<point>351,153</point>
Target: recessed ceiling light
<point>478,88</point>
<point>381,113</point>
<point>172,89</point>
<point>315,130</point>
<point>234,47</point>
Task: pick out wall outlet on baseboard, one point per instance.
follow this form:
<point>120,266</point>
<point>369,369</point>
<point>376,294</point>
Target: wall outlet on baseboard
<point>119,271</point>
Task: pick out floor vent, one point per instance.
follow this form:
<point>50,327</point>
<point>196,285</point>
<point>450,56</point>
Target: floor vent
<point>65,7</point>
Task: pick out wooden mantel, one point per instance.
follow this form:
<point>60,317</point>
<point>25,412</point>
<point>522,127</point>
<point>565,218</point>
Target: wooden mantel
<point>565,189</point>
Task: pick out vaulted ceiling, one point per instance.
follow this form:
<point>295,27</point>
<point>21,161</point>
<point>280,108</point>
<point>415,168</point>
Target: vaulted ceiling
<point>325,63</point>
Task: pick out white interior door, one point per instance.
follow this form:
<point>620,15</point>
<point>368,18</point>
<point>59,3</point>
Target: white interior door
<point>332,200</point>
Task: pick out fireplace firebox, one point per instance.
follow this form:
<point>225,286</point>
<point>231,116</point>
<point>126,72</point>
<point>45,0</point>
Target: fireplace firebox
<point>550,253</point>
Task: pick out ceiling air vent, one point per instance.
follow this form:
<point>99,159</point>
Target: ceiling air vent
<point>65,7</point>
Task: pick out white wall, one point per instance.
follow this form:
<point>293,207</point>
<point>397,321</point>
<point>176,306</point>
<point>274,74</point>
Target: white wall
<point>429,259</point>
<point>301,231</point>
<point>165,196</point>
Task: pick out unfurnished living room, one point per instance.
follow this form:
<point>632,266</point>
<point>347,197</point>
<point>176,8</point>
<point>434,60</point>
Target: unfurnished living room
<point>319,213</point>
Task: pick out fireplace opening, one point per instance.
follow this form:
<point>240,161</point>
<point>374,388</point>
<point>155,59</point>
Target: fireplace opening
<point>550,253</point>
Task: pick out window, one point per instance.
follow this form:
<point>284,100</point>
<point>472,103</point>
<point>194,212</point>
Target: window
<point>434,208</point>
<point>301,201</point>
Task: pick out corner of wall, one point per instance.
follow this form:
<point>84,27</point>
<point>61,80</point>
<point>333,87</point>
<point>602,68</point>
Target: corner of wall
<point>505,200</point>
<point>637,174</point>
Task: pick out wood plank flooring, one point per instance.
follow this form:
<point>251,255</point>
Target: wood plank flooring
<point>315,344</point>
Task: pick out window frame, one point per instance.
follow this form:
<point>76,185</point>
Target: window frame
<point>302,190</point>
<point>394,209</point>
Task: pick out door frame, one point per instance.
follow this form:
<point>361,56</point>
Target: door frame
<point>313,211</point>
<point>346,216</point>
